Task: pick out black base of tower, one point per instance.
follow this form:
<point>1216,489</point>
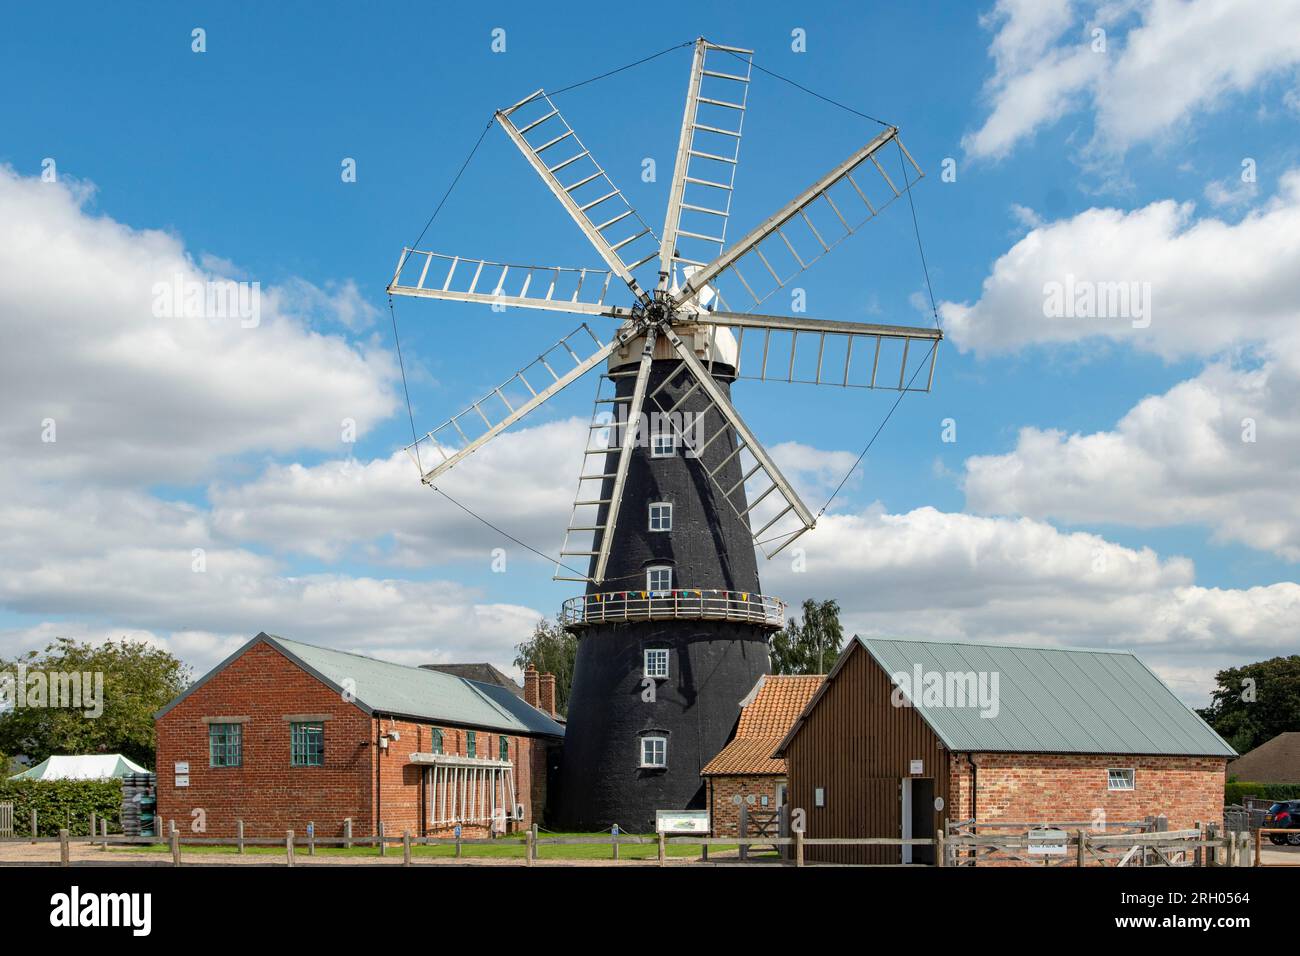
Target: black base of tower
<point>713,665</point>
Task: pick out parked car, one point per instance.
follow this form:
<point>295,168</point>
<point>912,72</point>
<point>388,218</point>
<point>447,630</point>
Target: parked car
<point>1284,815</point>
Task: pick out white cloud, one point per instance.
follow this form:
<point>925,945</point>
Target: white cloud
<point>135,397</point>
<point>1176,458</point>
<point>523,481</point>
<point>1213,284</point>
<point>1163,61</point>
<point>931,574</point>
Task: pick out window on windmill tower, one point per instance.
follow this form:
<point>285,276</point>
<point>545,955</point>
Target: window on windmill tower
<point>659,578</point>
<point>654,751</point>
<point>661,516</point>
<point>663,444</point>
<point>656,662</point>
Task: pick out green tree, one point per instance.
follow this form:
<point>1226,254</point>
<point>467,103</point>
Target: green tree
<point>812,646</point>
<point>1255,702</point>
<point>138,680</point>
<point>552,650</point>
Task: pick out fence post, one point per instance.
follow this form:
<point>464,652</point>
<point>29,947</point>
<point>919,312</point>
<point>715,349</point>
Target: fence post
<point>311,837</point>
<point>103,829</point>
<point>662,847</point>
<point>33,826</point>
<point>94,824</point>
<point>1212,852</point>
<point>528,846</point>
<point>406,848</point>
<point>940,849</point>
<point>239,835</point>
<point>798,847</point>
<point>534,832</point>
<point>458,833</point>
<point>1199,855</point>
<point>1259,846</point>
<point>174,839</point>
<point>347,833</point>
<point>288,847</point>
<point>383,848</point>
<point>1229,846</point>
<point>743,830</point>
<point>64,854</point>
<point>613,839</point>
<point>1081,837</point>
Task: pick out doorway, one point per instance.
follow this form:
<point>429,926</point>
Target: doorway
<point>918,819</point>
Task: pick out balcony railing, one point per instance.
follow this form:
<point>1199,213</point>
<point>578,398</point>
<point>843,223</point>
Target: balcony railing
<point>691,604</point>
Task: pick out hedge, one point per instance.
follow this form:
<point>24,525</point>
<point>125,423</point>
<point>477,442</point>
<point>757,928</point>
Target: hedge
<point>63,804</point>
<point>1237,792</point>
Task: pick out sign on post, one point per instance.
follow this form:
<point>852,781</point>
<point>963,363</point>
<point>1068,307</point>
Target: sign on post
<point>681,821</point>
<point>1047,841</point>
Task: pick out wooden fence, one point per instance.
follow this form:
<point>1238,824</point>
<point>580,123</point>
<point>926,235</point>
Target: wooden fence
<point>6,819</point>
<point>1198,847</point>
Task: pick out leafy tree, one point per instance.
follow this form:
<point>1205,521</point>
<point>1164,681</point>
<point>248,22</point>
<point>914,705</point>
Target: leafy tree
<point>812,646</point>
<point>1255,702</point>
<point>138,680</point>
<point>552,650</point>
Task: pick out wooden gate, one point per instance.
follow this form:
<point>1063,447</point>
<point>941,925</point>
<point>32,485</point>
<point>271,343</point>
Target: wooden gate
<point>6,819</point>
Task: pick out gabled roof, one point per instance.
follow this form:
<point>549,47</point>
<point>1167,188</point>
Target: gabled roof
<point>81,767</point>
<point>1050,700</point>
<point>379,687</point>
<point>766,714</point>
<point>1273,761</point>
<point>482,673</point>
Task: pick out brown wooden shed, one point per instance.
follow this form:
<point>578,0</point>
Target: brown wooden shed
<point>906,736</point>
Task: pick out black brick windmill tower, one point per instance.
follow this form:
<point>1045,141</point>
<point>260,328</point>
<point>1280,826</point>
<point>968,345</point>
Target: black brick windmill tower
<point>676,492</point>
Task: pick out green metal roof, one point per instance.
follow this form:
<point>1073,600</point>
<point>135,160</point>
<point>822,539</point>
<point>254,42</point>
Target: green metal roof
<point>380,687</point>
<point>1053,700</point>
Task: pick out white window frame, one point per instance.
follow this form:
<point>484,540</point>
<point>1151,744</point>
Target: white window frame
<point>659,653</point>
<point>657,451</point>
<point>650,580</point>
<point>1130,776</point>
<point>665,512</point>
<point>648,739</point>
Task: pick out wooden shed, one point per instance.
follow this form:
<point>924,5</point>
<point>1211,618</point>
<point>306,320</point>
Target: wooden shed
<point>906,736</point>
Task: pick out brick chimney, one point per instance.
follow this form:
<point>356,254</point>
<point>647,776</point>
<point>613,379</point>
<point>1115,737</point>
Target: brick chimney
<point>546,694</point>
<point>530,686</point>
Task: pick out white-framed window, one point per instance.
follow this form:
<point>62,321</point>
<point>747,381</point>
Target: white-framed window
<point>656,662</point>
<point>663,444</point>
<point>654,751</point>
<point>1121,778</point>
<point>661,516</point>
<point>659,578</point>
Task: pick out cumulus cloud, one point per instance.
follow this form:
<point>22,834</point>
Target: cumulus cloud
<point>1218,450</point>
<point>135,395</point>
<point>1212,284</point>
<point>523,481</point>
<point>1162,61</point>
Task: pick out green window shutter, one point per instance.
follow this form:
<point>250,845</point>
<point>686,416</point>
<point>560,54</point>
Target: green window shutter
<point>471,742</point>
<point>308,744</point>
<point>225,745</point>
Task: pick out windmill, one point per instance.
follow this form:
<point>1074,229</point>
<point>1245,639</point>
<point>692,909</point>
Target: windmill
<point>676,493</point>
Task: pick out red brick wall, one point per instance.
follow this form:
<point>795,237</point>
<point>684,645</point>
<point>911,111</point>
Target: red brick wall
<point>1050,788</point>
<point>267,793</point>
<point>724,812</point>
<point>271,796</point>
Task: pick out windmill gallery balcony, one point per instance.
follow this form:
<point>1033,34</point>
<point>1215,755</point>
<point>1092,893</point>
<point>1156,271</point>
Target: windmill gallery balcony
<point>677,604</point>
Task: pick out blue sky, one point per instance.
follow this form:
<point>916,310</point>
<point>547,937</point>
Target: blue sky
<point>1063,156</point>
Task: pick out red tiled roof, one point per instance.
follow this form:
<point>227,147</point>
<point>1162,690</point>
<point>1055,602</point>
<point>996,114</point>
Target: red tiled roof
<point>771,712</point>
